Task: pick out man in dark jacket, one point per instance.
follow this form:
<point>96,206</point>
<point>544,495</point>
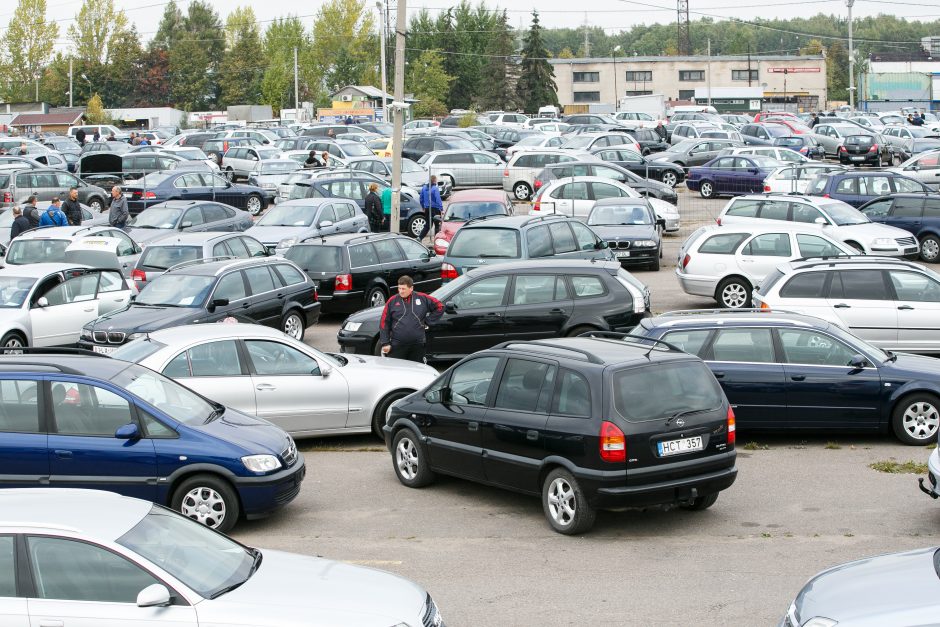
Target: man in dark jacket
<point>374,208</point>
<point>405,319</point>
<point>80,137</point>
<point>32,212</point>
<point>20,223</point>
<point>118,213</point>
<point>72,209</point>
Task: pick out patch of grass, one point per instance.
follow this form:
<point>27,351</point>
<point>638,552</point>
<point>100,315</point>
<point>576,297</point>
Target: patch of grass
<point>833,446</point>
<point>931,447</point>
<point>756,446</point>
<point>766,535</point>
<point>330,448</point>
<point>909,467</point>
<point>849,535</point>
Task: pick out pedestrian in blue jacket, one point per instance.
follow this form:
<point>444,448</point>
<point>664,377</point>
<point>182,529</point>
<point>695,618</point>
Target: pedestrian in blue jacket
<point>430,198</point>
<point>53,216</point>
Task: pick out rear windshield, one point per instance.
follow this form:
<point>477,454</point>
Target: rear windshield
<point>164,257</point>
<point>463,211</point>
<point>4,180</point>
<point>769,281</point>
<point>485,243</point>
<point>138,350</point>
<point>860,140</point>
<point>316,258</point>
<point>25,251</point>
<point>681,388</point>
<point>356,150</point>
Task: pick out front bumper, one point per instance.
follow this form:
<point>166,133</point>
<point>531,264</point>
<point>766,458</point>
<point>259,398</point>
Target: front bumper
<point>261,496</point>
<point>354,342</point>
<point>636,256</point>
<point>933,476</point>
<point>697,285</point>
<point>672,224</point>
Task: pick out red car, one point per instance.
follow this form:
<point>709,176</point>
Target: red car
<point>765,116</point>
<point>466,205</point>
<point>796,127</point>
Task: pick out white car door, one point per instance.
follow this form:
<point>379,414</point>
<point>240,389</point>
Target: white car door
<point>918,307</point>
<point>80,584</point>
<point>13,610</point>
<point>762,254</point>
<point>57,317</point>
<point>113,292</point>
<point>215,370</point>
<point>295,391</point>
<point>489,169</point>
<point>564,197</point>
<point>863,302</point>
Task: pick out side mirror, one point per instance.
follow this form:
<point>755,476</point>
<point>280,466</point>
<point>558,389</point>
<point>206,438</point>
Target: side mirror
<point>186,225</point>
<point>325,223</point>
<point>661,223</point>
<point>133,297</point>
<point>326,370</point>
<point>434,396</point>
<point>600,245</point>
<point>450,307</point>
<point>821,221</point>
<point>42,302</point>
<point>431,252</point>
<point>128,432</point>
<point>218,302</point>
<point>155,595</point>
<point>858,361</point>
<point>914,167</point>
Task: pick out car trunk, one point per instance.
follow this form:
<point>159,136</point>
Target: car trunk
<point>860,145</point>
<point>323,264</point>
<point>104,169</point>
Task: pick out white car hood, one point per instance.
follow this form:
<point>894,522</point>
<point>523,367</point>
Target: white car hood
<point>663,208</point>
<point>870,231</point>
<point>381,365</point>
<point>300,590</point>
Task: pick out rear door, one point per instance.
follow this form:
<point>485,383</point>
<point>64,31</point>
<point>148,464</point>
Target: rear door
<point>762,254</point>
<point>473,319</point>
<point>907,214</point>
<point>539,307</point>
<point>266,305</point>
<point>917,300</point>
<point>23,438</point>
<point>864,302</point>
<point>215,370</point>
<point>67,308</point>
<point>424,269</point>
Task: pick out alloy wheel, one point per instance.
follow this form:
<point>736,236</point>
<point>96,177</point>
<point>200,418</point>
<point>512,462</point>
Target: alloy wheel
<point>921,420</point>
<point>294,327</point>
<point>669,178</point>
<point>406,457</point>
<point>734,296</point>
<point>417,226</point>
<point>930,249</point>
<point>561,502</point>
<point>254,205</point>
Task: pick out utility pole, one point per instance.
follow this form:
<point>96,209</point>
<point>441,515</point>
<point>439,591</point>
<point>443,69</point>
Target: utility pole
<point>749,65</point>
<point>587,40</point>
<point>616,90</point>
<point>708,68</point>
<point>37,89</point>
<point>70,82</point>
<point>296,88</point>
<point>851,58</point>
<point>382,41</point>
<point>399,110</point>
<point>683,34</point>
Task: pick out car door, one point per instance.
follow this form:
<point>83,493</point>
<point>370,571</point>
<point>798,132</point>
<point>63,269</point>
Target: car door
<point>191,186</point>
<point>762,254</point>
<point>13,608</point>
<point>699,155</point>
<point>58,315</point>
<point>473,319</point>
<point>23,439</point>
<point>864,302</point>
<point>926,170</point>
<point>232,290</point>
<point>326,220</point>
<point>906,213</point>
<point>823,390</point>
<point>266,299</point>
<point>294,390</point>
<point>113,291</point>
<point>420,265</point>
<point>224,192</point>
<point>216,370</point>
<point>83,449</point>
<point>81,584</point>
<point>539,307</point>
<point>917,299</point>
<point>489,169</point>
<point>723,174</point>
<point>598,191</point>
<point>217,218</point>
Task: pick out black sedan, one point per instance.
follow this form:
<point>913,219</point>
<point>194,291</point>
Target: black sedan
<point>665,171</point>
<point>630,228</point>
<point>175,216</point>
<point>160,187</point>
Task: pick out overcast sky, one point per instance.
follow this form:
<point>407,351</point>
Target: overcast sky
<point>612,15</point>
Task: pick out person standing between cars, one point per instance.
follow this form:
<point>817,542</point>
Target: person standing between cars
<point>118,213</point>
<point>32,212</point>
<point>53,215</point>
<point>431,202</point>
<point>134,141</point>
<point>325,158</point>
<point>661,130</point>
<point>97,136</point>
<point>80,137</point>
<point>72,209</point>
<point>387,209</point>
<point>917,120</point>
<point>330,134</point>
<point>814,121</point>
<point>374,208</point>
<point>143,141</point>
<point>312,161</point>
<point>20,223</point>
<point>405,319</point>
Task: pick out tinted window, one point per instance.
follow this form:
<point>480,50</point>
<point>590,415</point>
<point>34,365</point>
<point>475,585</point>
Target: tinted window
<point>413,250</point>
<point>7,567</point>
<point>470,381</point>
<point>680,387</point>
<point>587,286</point>
<point>745,345</point>
<point>495,243</point>
<point>484,293</point>
<point>907,208</point>
<point>20,410</point>
<point>805,285</point>
<point>316,258</point>
<point>859,284</point>
<point>573,396</point>
<point>808,347</point>
<point>907,185</point>
<point>689,341</point>
<point>231,286</point>
<point>236,246</point>
<point>289,275</point>
<point>362,255</point>
<point>214,213</point>
<point>775,210</point>
<point>769,245</point>
<point>913,286</point>
<point>82,409</point>
<point>805,213</point>
<point>215,359</point>
<point>539,242</point>
<point>524,384</point>
<point>164,257</point>
<point>255,248</point>
<point>723,244</point>
<point>259,279</point>
<point>584,236</point>
<point>534,289</point>
<point>387,251</point>
<point>562,238</point>
<point>813,246</point>
<point>274,358</point>
<point>879,208</point>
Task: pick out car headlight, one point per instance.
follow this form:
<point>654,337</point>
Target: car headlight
<point>883,241</point>
<point>261,463</point>
<point>287,242</point>
<point>644,243</point>
<point>86,334</point>
<point>443,243</point>
<point>820,621</point>
<point>352,326</point>
<point>134,336</point>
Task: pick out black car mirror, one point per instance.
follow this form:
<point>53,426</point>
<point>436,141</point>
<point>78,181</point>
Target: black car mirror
<point>600,244</point>
<point>858,361</point>
<point>450,307</point>
<point>217,302</point>
<point>127,432</point>
<point>434,396</point>
<point>431,252</point>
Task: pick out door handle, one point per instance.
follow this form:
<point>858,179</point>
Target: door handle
<point>92,309</point>
<point>280,296</point>
<point>799,377</point>
<point>473,426</point>
<point>906,308</point>
<point>51,623</point>
<point>246,305</point>
<point>63,454</point>
<point>493,314</point>
<point>531,434</point>
<point>719,375</point>
<point>842,306</point>
<point>261,387</point>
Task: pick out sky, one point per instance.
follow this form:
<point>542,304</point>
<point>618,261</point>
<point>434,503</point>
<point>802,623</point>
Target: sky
<point>612,15</point>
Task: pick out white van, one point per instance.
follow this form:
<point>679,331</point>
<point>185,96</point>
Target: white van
<point>549,111</point>
<point>103,129</point>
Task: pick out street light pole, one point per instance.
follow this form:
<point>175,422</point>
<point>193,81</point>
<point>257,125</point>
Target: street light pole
<point>401,25</point>
<point>380,7</point>
<point>616,91</point>
<point>851,58</point>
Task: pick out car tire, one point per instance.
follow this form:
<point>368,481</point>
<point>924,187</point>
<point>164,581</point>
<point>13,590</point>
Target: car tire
<point>13,340</point>
<point>377,347</point>
<point>706,189</point>
<point>915,419</point>
<point>209,500</point>
<point>670,179</point>
<point>230,175</point>
<point>646,152</point>
<point>410,461</point>
<point>734,293</point>
<point>453,183</point>
<point>378,416</point>
<point>292,324</point>
<point>565,505</point>
<point>700,503</point>
<point>880,163</point>
<point>255,204</point>
<point>96,204</point>
<point>417,225</point>
<point>521,191</point>
<point>655,265</point>
<point>376,297</point>
<point>930,248</point>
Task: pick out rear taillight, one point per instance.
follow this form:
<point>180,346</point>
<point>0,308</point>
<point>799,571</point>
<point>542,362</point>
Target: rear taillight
<point>613,444</point>
<point>343,283</point>
<point>7,197</point>
<point>731,427</point>
<point>874,148</point>
<point>764,305</point>
<point>506,172</point>
<point>149,195</point>
<point>139,275</point>
<point>842,149</point>
<point>316,296</point>
<point>766,188</point>
<point>686,260</point>
<point>537,206</point>
<point>825,196</point>
<point>448,271</point>
<point>804,150</point>
<point>718,220</point>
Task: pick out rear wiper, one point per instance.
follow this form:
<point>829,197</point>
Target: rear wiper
<point>143,226</point>
<point>687,412</point>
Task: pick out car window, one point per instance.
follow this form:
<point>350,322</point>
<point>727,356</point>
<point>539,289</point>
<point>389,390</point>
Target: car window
<point>78,571</point>
<point>539,242</point>
<point>74,290</point>
<point>525,386</point>
<point>82,409</point>
<point>232,287</point>
<point>289,275</point>
<point>874,185</point>
<point>273,358</point>
<point>859,285</point>
<point>413,250</point>
<point>222,249</point>
<point>362,255</point>
<point>805,213</point>
<point>496,243</point>
<point>587,286</point>
<point>814,246</point>
<point>212,359</point>
<point>572,191</point>
<point>255,248</point>
<point>572,396</point>
<point>805,285</point>
<point>907,208</point>
<point>723,244</point>
<point>110,282</point>
<point>20,410</point>
<point>259,279</point>
<point>488,292</point>
<point>744,208</point>
<point>907,185</point>
<point>915,287</point>
<point>605,190</point>
<point>470,381</point>
<point>585,238</point>
<point>743,345</point>
<point>690,341</point>
<point>768,245</point>
<point>7,567</point>
<point>847,186</point>
<point>879,208</point>
<point>539,288</point>
<point>809,347</point>
<point>214,213</point>
<point>562,238</point>
<point>775,210</point>
<point>387,251</point>
<point>192,217</point>
<point>327,214</point>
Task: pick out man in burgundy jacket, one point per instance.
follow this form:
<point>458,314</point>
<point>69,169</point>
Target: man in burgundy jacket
<point>405,319</point>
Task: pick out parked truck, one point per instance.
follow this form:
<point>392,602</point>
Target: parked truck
<point>653,105</point>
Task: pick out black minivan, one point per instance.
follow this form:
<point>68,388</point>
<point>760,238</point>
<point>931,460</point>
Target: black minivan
<point>603,421</point>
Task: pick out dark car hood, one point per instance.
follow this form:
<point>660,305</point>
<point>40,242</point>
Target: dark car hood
<point>916,366</point>
<point>146,318</point>
<point>256,435</point>
<point>625,232</point>
<point>142,236</point>
<point>895,589</point>
<point>369,317</point>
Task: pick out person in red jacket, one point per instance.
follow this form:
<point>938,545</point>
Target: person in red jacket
<point>405,319</point>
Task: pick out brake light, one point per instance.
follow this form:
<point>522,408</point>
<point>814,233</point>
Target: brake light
<point>874,148</point>
<point>7,197</point>
<point>149,195</point>
<point>731,427</point>
<point>506,172</point>
<point>139,275</point>
<point>343,283</point>
<point>766,188</point>
<point>224,146</point>
<point>613,444</point>
<point>316,296</point>
<point>718,220</point>
<point>537,183</point>
<point>537,206</point>
<point>448,272</point>
<point>842,149</point>
<point>804,150</point>
<point>825,196</point>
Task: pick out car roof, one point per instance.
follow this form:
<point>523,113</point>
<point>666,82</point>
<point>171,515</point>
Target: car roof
<point>39,270</point>
<point>344,239</point>
<point>548,265</point>
<point>194,332</point>
<point>740,317</point>
<point>512,222</point>
<point>477,194</point>
<point>860,261</point>
<point>611,350</point>
<point>307,202</point>
<point>604,202</point>
<point>50,232</point>
<point>69,509</point>
<point>190,238</point>
<point>213,268</point>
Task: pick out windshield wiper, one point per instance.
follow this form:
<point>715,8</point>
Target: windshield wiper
<point>143,226</point>
<point>687,412</point>
<point>162,304</point>
<point>495,256</point>
<point>256,562</point>
<point>214,414</point>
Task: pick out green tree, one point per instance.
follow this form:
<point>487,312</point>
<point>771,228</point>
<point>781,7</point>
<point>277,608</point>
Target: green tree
<point>565,53</point>
<point>536,86</point>
<point>240,81</point>
<point>195,58</point>
<point>98,32</point>
<point>28,42</point>
<point>170,25</point>
<point>94,111</point>
<point>277,84</point>
<point>345,45</point>
<point>498,84</point>
<point>429,83</point>
<point>837,71</point>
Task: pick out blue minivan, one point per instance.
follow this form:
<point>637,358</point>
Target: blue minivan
<point>85,421</point>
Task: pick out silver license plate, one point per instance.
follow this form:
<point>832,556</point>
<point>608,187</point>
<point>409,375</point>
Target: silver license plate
<point>104,350</point>
<point>623,254</point>
<point>857,158</point>
<point>677,447</point>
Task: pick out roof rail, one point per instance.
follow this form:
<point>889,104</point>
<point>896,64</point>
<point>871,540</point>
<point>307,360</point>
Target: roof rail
<point>196,262</point>
<point>822,261</point>
<point>481,218</point>
<point>364,237</point>
<point>543,218</point>
<point>743,310</point>
<point>517,345</point>
<point>616,335</point>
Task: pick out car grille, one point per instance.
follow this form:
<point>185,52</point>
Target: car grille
<point>906,241</point>
<point>286,496</point>
<point>432,616</point>
<point>618,245</point>
<point>290,454</point>
<point>109,337</point>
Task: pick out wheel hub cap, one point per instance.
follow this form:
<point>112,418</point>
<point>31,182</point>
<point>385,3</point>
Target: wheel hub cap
<point>921,420</point>
<point>406,458</point>
<point>204,505</point>
<point>561,504</point>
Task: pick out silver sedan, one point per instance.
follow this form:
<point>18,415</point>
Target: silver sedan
<point>261,371</point>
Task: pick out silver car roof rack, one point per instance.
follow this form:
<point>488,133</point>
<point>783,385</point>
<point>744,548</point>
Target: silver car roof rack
<point>196,262</point>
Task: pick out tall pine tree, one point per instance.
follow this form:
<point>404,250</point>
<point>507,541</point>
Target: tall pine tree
<point>536,86</point>
<point>501,72</point>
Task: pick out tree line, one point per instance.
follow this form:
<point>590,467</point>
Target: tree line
<point>467,57</point>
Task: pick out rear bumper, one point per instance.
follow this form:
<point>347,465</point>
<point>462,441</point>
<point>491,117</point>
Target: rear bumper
<point>261,496</point>
<point>933,476</point>
<point>342,302</point>
<point>697,285</point>
<point>312,313</point>
<point>671,492</point>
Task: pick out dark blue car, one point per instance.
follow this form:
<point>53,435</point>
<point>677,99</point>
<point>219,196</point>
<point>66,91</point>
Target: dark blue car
<point>806,145</point>
<point>731,175</point>
<point>86,421</point>
<point>788,371</point>
<point>917,213</point>
<point>857,188</point>
<point>158,187</point>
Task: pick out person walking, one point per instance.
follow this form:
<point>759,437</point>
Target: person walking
<point>53,215</point>
<point>405,319</point>
<point>118,213</point>
<point>374,208</point>
<point>32,212</point>
<point>97,136</point>
<point>20,222</point>
<point>72,209</point>
<point>387,209</point>
<point>80,137</point>
<point>431,203</point>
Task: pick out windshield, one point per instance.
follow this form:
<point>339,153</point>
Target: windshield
<point>485,243</point>
<point>316,258</point>
<point>681,387</point>
<point>174,400</point>
<point>191,154</point>
<point>407,165</point>
<point>463,211</point>
<point>860,140</point>
<point>789,141</point>
<point>580,141</point>
<point>777,130</point>
<point>383,128</point>
<point>289,215</point>
<point>764,162</point>
<point>357,150</point>
<point>297,176</point>
<point>175,290</point>
<point>164,257</point>
<point>531,140</point>
<point>14,290</point>
<point>23,251</point>
<point>137,350</point>
<point>156,218</point>
<point>844,214</point>
<point>684,146</point>
<point>619,214</point>
<point>279,167</point>
<point>271,153</point>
